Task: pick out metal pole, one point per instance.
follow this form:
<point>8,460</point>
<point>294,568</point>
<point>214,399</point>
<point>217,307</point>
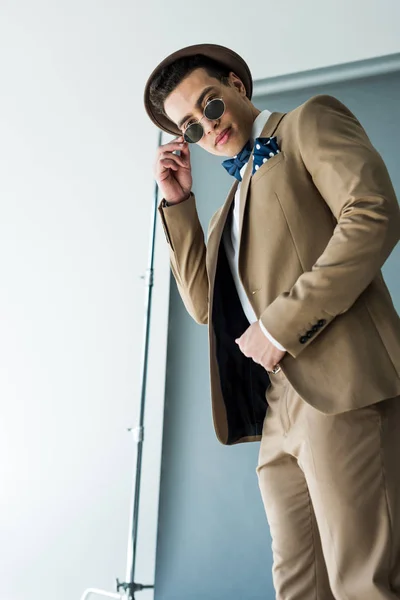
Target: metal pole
<point>130,587</point>
<point>139,431</point>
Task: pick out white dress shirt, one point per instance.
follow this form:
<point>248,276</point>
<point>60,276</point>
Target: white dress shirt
<point>231,239</point>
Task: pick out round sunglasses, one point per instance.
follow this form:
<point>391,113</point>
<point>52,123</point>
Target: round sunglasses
<point>213,110</point>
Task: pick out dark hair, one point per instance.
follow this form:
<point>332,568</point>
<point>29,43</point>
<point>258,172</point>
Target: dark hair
<point>170,77</point>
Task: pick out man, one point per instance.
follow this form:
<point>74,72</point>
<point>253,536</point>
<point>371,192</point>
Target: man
<point>304,337</point>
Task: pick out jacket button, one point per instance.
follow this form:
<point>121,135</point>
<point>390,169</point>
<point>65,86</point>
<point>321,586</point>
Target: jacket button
<point>321,322</point>
<point>309,334</point>
<point>314,328</point>
<point>303,339</point>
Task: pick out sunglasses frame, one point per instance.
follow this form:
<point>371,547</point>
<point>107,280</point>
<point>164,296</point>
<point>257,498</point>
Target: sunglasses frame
<point>204,116</point>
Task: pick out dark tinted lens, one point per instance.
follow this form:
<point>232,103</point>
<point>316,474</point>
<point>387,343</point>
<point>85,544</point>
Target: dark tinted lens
<point>214,109</point>
<point>194,133</point>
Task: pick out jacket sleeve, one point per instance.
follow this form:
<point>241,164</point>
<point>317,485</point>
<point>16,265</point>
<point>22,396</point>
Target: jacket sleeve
<point>353,180</point>
<point>187,255</point>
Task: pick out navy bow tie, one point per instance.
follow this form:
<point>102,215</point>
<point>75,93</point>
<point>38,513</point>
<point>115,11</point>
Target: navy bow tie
<point>233,165</point>
<point>264,148</point>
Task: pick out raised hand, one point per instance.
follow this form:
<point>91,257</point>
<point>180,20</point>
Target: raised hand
<point>173,173</point>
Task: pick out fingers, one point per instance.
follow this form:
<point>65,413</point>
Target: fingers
<point>177,144</point>
<point>167,159</point>
<point>243,346</point>
<point>174,157</point>
<point>168,163</point>
<point>185,151</point>
<point>262,353</point>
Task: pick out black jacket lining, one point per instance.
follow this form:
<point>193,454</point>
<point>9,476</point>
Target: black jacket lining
<point>243,382</point>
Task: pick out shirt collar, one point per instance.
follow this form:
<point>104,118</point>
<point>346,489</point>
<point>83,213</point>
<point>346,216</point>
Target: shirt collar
<point>258,125</point>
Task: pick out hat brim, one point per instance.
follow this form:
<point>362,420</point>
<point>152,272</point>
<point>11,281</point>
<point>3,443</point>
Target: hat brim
<point>227,57</point>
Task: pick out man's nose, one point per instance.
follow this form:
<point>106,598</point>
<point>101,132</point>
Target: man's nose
<point>209,125</point>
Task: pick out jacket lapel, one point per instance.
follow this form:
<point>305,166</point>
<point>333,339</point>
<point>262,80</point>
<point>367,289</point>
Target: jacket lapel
<point>268,130</point>
<point>218,224</point>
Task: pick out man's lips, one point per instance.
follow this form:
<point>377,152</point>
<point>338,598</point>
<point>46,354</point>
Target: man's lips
<point>222,135</point>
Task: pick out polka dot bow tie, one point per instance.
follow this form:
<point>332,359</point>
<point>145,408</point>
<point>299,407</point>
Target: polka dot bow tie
<point>264,149</point>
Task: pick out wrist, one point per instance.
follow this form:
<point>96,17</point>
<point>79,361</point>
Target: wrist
<point>270,338</point>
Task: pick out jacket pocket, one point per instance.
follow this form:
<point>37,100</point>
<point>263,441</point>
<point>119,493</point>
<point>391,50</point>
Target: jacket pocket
<point>267,166</point>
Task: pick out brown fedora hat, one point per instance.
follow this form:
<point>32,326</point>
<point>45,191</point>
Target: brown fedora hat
<point>227,57</point>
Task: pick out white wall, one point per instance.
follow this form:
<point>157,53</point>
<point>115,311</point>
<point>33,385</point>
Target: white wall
<point>278,37</point>
<point>76,153</point>
<point>74,220</point>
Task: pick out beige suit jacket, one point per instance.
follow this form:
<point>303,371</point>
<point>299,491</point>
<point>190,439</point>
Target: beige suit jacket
<point>318,221</point>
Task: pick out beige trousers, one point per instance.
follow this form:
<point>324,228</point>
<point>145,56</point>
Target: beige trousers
<point>331,491</point>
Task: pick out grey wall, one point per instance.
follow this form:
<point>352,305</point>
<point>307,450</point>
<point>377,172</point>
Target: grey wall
<point>213,540</point>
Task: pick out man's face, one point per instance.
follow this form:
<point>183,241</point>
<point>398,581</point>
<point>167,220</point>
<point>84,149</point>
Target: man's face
<point>227,135</point>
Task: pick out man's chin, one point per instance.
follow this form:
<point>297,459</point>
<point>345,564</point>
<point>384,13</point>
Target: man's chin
<point>235,147</point>
<point>232,152</point>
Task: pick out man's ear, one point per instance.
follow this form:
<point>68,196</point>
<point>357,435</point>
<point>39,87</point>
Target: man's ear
<point>237,83</point>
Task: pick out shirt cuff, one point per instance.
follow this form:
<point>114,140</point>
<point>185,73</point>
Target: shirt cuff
<point>271,339</point>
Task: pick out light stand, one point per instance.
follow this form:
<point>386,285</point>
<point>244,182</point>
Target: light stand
<point>126,590</point>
